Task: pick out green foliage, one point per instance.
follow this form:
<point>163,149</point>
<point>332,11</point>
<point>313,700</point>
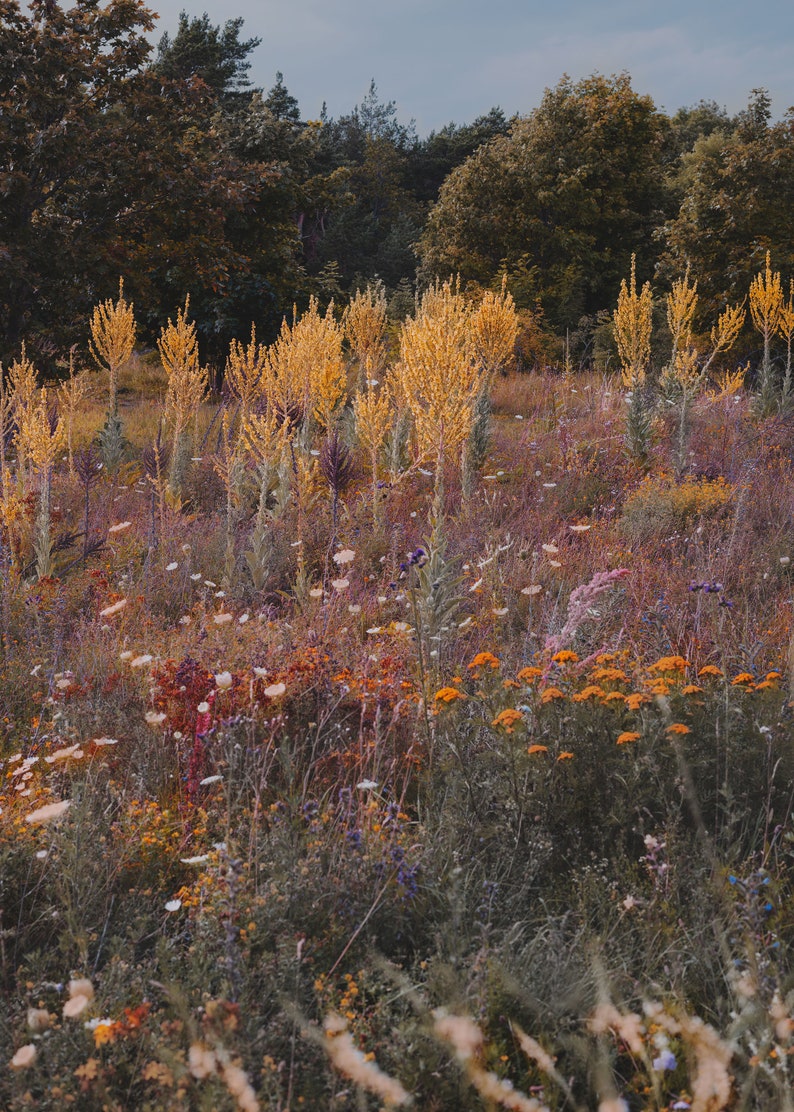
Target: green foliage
<point>568,191</point>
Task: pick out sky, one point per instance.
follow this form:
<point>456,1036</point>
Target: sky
<point>445,61</point>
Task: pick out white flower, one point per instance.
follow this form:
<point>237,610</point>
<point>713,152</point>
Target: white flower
<point>500,611</point>
<point>340,584</point>
<point>275,690</point>
<point>195,860</point>
<point>223,680</point>
<point>172,566</point>
<point>114,609</point>
<point>49,812</point>
<point>579,528</point>
<point>173,905</point>
<point>533,589</point>
<point>222,619</point>
<point>140,661</point>
<point>316,592</point>
<point>344,556</point>
<point>100,741</point>
<point>367,785</point>
<point>210,583</point>
<point>243,618</point>
<point>203,707</point>
<point>196,576</point>
<point>122,525</point>
<point>550,549</point>
<point>24,1057</point>
<point>154,718</point>
<point>126,655</point>
<point>354,608</point>
<point>210,780</point>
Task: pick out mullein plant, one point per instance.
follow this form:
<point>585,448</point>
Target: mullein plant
<point>766,306</point>
<point>494,330</point>
<point>373,413</point>
<point>229,465</point>
<point>42,434</point>
<point>187,389</point>
<point>112,342</point>
<point>21,397</point>
<point>71,395</point>
<point>687,369</point>
<point>266,440</point>
<point>364,323</point>
<point>632,323</point>
<point>440,378</point>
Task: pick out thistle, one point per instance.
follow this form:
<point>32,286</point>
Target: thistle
<point>336,467</point>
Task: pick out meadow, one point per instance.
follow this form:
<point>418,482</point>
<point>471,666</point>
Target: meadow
<point>392,725</point>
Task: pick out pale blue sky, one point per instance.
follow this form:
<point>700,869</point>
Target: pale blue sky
<point>452,60</point>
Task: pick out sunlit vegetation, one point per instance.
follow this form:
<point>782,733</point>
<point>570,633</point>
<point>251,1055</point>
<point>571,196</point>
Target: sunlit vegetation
<point>384,723</point>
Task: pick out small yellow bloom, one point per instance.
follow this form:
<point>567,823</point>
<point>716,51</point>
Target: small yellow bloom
<point>550,693</point>
<point>743,677</point>
<point>636,700</point>
<point>710,670</point>
<point>566,755</point>
<point>530,673</point>
<point>678,728</point>
<point>537,749</point>
<point>565,656</point>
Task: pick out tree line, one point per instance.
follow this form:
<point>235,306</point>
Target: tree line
<point>169,168</point>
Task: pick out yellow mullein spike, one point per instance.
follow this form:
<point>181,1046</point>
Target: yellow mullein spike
<point>187,380</point>
<point>439,373</point>
<point>633,322</point>
<point>113,337</point>
<point>245,371</point>
<point>364,324</point>
<point>494,328</point>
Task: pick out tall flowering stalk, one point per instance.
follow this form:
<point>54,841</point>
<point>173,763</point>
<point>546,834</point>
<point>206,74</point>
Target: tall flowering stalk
<point>633,323</point>
<point>440,376</point>
<point>42,434</point>
<point>580,603</point>
<point>187,383</point>
<point>113,339</point>
<point>364,324</point>
<point>766,306</point>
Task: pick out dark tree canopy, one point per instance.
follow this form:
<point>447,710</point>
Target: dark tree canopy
<point>213,54</point>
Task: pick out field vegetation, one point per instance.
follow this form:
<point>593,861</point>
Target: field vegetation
<point>385,725</point>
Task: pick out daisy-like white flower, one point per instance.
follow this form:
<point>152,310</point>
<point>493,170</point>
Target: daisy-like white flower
<point>173,905</point>
<point>223,681</point>
<point>340,584</point>
<point>275,690</point>
<point>344,556</point>
<point>154,718</point>
<point>172,566</point>
<point>222,619</point>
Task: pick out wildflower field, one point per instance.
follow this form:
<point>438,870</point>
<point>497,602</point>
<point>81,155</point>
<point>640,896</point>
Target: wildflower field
<point>386,725</point>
